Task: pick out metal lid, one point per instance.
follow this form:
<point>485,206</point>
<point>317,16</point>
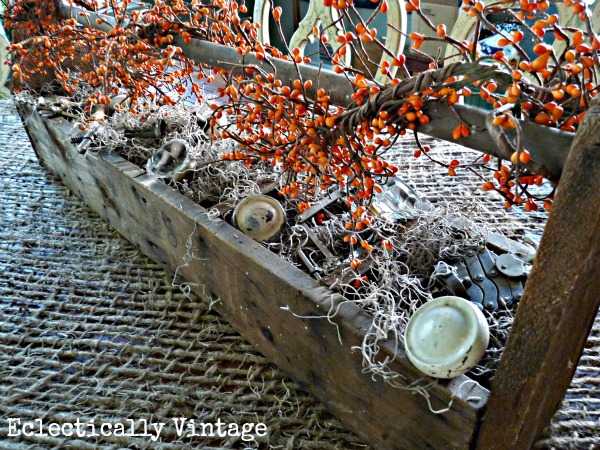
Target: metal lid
<point>259,216</point>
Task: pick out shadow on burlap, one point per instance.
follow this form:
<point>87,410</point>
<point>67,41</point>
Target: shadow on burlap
<point>91,330</point>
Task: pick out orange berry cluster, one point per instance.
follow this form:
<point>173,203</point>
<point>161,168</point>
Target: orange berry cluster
<point>131,55</point>
<point>291,124</point>
<point>277,123</point>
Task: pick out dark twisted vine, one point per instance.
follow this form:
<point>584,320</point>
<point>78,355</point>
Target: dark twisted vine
<point>391,97</point>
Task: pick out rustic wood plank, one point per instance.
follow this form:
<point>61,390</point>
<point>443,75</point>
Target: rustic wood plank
<point>558,307</point>
<point>262,297</point>
<point>549,145</point>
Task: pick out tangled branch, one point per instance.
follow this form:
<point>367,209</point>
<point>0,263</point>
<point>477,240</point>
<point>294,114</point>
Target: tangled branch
<point>312,142</point>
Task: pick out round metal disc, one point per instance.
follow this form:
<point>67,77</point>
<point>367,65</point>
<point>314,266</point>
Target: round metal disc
<point>510,265</point>
<point>259,216</point>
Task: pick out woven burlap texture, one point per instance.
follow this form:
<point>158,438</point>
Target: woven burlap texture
<point>90,329</point>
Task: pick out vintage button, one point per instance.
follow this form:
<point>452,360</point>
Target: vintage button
<point>259,216</point>
<point>510,265</point>
<point>446,337</point>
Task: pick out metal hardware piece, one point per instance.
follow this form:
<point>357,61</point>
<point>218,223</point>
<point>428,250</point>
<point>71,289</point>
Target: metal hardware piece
<point>504,290</point>
<point>88,137</point>
<point>313,237</point>
<point>478,278</point>
<point>313,269</point>
<point>510,265</point>
<point>156,131</point>
<point>322,204</point>
<point>451,280</point>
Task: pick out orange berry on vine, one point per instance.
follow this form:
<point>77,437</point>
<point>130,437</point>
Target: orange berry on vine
<point>540,63</point>
<point>488,186</point>
<point>399,61</point>
<point>540,48</point>
<point>517,36</point>
<point>366,38</point>
<point>542,119</point>
<point>531,205</point>
<point>558,94</point>
<point>456,132</point>
<point>524,156</point>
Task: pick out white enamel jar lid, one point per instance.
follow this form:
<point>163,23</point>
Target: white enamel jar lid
<point>446,337</point>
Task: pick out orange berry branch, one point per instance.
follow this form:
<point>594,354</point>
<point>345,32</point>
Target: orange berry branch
<point>130,52</point>
<point>315,144</point>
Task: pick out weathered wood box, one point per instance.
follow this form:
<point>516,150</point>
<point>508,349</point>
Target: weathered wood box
<point>271,303</point>
<point>279,308</point>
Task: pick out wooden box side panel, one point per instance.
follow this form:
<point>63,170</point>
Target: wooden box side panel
<point>257,293</point>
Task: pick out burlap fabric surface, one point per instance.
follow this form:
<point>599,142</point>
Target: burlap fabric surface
<point>91,330</point>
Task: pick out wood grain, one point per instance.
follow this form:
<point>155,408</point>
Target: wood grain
<point>271,303</point>
<point>558,307</point>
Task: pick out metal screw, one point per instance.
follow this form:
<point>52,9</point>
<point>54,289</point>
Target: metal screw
<point>492,273</point>
<point>478,277</point>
